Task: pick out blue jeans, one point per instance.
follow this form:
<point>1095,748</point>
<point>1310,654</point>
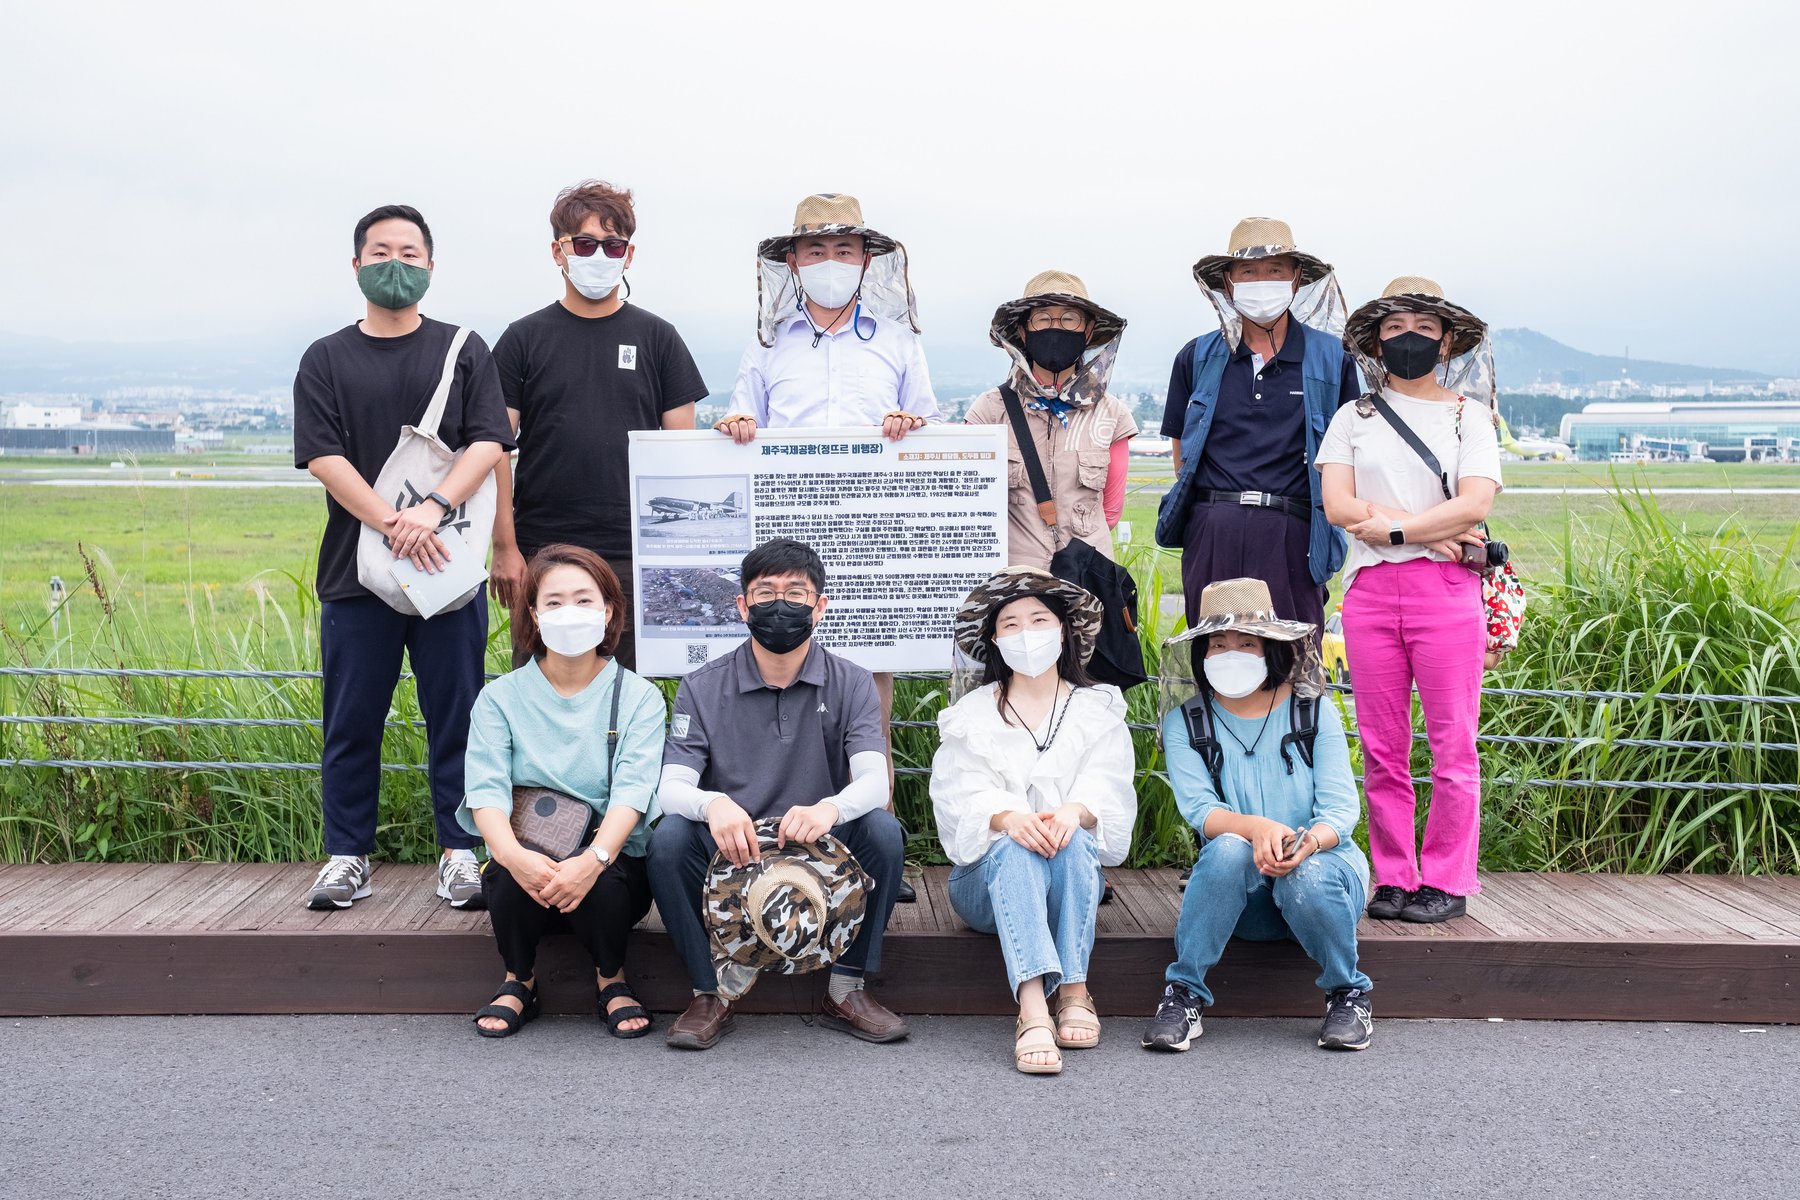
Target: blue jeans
<point>1044,909</point>
<point>1318,905</point>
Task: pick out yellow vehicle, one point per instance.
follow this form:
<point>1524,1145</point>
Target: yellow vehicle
<point>1337,667</point>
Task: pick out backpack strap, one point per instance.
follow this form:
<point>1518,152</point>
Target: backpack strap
<point>1303,730</point>
<point>1034,468</point>
<point>1197,712</point>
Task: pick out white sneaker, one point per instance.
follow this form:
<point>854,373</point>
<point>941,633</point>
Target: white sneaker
<point>342,880</point>
<point>459,879</point>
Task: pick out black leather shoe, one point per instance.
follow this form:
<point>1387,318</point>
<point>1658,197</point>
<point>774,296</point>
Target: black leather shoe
<point>1388,902</point>
<point>1429,906</point>
<point>904,894</point>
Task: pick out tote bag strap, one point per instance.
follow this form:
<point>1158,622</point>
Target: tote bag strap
<point>1416,442</point>
<point>434,412</point>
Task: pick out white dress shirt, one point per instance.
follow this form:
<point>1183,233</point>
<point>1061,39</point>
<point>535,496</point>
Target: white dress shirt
<point>985,766</point>
<point>855,376</point>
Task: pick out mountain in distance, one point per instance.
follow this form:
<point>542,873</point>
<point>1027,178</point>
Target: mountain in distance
<point>958,368</point>
<point>1524,356</point>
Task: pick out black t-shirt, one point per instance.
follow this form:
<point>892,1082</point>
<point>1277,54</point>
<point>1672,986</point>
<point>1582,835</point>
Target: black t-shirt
<point>351,397</point>
<point>581,385</point>
<point>1257,442</point>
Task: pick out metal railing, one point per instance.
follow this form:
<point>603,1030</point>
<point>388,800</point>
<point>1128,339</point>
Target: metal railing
<point>171,721</point>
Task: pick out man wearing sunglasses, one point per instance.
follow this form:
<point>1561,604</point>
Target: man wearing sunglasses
<point>579,375</point>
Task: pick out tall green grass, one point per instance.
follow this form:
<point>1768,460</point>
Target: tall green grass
<point>1651,607</point>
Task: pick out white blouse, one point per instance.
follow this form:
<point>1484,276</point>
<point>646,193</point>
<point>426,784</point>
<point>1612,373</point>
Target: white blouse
<point>984,766</point>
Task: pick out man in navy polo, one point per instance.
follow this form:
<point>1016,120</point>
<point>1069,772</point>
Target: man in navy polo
<point>780,729</point>
<point>1246,409</point>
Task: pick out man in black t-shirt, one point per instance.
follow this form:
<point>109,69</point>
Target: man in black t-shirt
<point>354,391</point>
<point>579,375</point>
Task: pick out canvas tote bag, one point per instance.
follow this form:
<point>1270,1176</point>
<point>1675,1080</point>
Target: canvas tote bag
<point>417,467</point>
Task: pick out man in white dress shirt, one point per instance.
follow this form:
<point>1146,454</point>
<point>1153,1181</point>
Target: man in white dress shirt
<point>837,342</point>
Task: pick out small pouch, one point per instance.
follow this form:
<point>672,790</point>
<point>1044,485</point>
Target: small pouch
<point>551,823</point>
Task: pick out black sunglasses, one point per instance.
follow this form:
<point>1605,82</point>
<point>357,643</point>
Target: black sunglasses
<point>584,246</point>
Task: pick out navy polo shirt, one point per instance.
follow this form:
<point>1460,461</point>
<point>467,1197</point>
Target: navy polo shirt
<point>1258,438</point>
<point>770,748</point>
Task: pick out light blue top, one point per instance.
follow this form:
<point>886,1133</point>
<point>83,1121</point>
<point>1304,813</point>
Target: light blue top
<point>523,734</point>
<point>1260,786</point>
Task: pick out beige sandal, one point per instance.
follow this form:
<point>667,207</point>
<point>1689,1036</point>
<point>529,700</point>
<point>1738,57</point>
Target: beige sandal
<point>1043,1043</point>
<point>1061,1005</point>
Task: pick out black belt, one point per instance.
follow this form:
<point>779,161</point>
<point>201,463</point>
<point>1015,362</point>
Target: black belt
<point>1286,504</point>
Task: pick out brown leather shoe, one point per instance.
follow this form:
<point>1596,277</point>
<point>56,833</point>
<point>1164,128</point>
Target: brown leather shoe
<point>863,1016</point>
<point>706,1020</point>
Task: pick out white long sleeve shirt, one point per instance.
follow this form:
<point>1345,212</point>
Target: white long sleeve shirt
<point>985,766</point>
<point>844,380</point>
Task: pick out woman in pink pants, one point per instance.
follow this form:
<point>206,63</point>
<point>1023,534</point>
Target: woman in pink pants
<point>1412,612</point>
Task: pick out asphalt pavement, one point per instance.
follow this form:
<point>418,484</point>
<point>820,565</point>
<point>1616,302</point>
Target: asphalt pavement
<point>418,1106</point>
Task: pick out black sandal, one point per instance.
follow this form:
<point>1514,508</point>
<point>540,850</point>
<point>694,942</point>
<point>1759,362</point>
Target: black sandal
<point>631,1012</point>
<point>500,1012</point>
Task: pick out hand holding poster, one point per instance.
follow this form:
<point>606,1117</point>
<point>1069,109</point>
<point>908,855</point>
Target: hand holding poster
<point>906,529</point>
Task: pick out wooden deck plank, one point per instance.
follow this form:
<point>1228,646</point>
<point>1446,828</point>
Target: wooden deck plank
<point>937,882</point>
<point>1742,909</point>
<point>14,876</point>
<point>918,917</point>
<point>223,938</point>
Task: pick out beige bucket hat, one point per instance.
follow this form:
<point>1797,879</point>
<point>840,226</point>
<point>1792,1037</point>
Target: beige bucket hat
<point>825,214</point>
<point>1413,293</point>
<point>1049,289</point>
<point>1259,237</point>
<point>1245,604</point>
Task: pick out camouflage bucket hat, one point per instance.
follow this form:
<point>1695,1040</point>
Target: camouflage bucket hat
<point>796,910</point>
<point>825,214</point>
<point>974,619</point>
<point>1416,294</point>
<point>1050,289</point>
<point>1245,605</point>
<point>1259,237</point>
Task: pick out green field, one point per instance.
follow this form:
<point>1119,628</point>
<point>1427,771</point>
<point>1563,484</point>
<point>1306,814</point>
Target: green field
<point>178,556</point>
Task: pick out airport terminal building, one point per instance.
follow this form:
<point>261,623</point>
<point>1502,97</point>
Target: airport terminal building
<point>1721,430</point>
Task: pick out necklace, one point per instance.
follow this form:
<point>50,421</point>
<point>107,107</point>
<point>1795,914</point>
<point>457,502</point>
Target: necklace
<point>1055,725</point>
<point>1250,750</point>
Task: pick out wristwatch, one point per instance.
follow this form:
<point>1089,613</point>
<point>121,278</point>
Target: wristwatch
<point>1396,535</point>
<point>439,497</point>
<point>600,853</point>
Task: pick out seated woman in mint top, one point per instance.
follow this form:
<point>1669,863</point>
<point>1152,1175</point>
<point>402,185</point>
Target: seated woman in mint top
<point>1272,809</point>
<point>1032,791</point>
<point>545,725</point>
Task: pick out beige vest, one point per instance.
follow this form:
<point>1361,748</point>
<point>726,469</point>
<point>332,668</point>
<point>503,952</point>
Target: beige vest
<point>1075,462</point>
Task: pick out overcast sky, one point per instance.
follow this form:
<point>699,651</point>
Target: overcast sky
<point>1610,174</point>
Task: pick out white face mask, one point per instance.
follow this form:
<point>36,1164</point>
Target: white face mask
<point>1262,299</point>
<point>1031,652</point>
<point>572,631</point>
<point>1236,673</point>
<point>831,284</point>
<point>596,275</point>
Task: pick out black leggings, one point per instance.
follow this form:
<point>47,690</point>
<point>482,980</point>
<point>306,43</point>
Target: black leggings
<point>601,922</point>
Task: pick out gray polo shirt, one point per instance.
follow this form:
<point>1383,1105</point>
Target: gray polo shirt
<point>772,748</point>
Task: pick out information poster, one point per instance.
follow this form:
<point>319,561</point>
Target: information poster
<point>906,529</point>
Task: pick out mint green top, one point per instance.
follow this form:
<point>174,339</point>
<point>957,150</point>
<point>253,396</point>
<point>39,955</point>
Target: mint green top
<point>1263,785</point>
<point>523,734</point>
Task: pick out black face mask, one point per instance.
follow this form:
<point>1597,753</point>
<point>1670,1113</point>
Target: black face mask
<point>1410,355</point>
<point>1055,350</point>
<point>780,625</point>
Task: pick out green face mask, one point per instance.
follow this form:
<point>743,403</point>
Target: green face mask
<point>392,283</point>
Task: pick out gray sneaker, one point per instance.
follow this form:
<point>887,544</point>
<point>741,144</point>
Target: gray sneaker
<point>342,880</point>
<point>459,879</point>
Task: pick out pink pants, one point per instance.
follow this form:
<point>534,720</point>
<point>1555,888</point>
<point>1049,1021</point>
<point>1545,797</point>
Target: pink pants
<point>1419,621</point>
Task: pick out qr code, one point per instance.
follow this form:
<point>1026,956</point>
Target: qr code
<point>696,653</point>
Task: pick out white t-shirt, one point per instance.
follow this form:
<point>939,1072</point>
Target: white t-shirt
<point>1390,473</point>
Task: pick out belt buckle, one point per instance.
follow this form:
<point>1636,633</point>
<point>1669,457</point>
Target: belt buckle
<point>1250,499</point>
